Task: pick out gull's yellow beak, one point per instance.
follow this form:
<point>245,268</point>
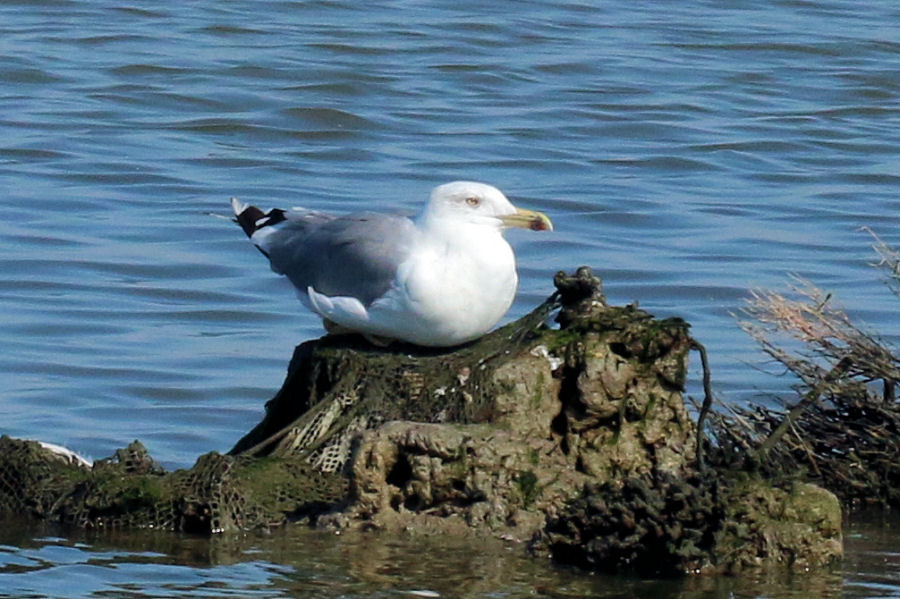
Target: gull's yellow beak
<point>528,219</point>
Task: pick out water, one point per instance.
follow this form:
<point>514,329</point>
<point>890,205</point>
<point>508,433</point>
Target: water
<point>37,562</point>
<point>687,151</point>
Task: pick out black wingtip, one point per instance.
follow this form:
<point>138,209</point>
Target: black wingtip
<point>247,219</point>
<point>251,219</point>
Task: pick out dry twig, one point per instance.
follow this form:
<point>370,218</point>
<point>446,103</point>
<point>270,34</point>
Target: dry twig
<point>845,430</point>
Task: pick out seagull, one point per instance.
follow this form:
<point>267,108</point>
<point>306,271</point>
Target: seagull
<point>440,279</point>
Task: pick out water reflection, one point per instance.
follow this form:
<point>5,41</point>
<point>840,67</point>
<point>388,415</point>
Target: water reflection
<point>298,562</point>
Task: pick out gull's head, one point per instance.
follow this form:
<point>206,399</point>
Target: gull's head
<point>479,203</point>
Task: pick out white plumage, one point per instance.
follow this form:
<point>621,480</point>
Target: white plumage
<point>441,279</point>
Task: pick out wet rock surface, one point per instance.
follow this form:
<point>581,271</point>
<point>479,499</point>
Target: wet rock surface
<point>574,440</point>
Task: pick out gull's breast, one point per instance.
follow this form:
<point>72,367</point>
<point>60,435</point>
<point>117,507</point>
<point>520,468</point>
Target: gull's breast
<point>458,292</point>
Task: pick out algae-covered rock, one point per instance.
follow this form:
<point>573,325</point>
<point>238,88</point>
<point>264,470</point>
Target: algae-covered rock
<point>726,523</point>
<point>798,526</point>
<point>574,438</point>
<point>656,524</point>
<point>130,490</point>
<point>426,477</point>
<point>589,404</point>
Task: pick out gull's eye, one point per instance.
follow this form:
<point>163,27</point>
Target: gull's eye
<point>472,201</point>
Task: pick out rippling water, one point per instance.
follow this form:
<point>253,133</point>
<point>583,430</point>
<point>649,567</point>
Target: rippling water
<point>36,562</point>
<point>687,151</point>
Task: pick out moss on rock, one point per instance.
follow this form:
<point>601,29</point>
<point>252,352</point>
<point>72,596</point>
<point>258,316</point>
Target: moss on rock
<point>575,439</point>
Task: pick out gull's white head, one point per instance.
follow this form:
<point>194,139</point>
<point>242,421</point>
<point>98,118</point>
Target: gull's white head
<point>479,203</point>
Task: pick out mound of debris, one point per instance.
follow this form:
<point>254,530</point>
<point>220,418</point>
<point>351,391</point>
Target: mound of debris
<point>574,439</point>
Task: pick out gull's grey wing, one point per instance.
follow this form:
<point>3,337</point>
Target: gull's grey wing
<point>355,255</point>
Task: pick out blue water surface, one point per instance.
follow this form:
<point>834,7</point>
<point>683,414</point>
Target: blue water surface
<point>687,151</point>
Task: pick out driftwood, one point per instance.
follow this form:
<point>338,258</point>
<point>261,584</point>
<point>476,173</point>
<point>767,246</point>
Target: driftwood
<point>572,438</point>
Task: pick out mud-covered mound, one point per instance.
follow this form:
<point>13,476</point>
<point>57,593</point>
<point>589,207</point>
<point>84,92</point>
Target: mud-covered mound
<point>572,438</point>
